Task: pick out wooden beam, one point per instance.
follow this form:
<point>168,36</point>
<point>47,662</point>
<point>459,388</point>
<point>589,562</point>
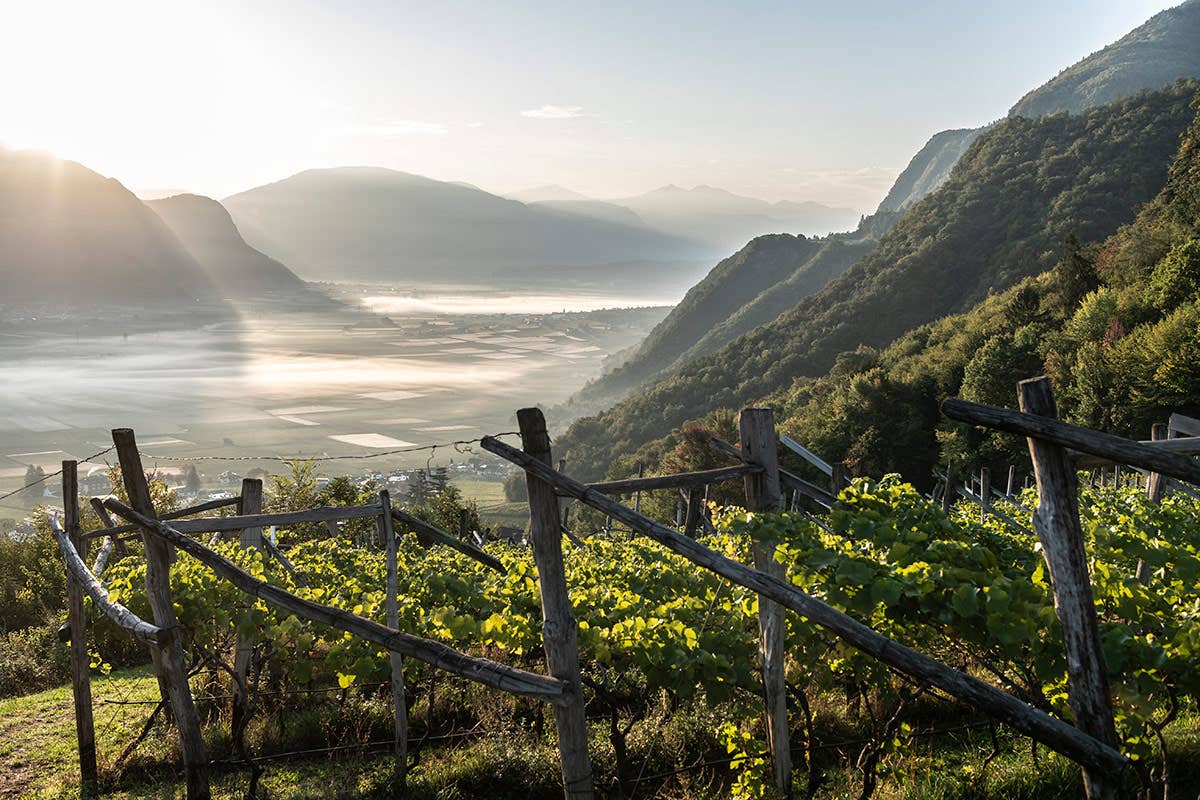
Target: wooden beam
<point>756,428</point>
<point>480,670</point>
<point>691,518</point>
<point>1050,731</point>
<point>81,685</point>
<point>123,618</point>
<point>282,519</point>
<point>168,660</point>
<point>1179,425</point>
<point>1157,456</point>
<point>682,480</point>
<point>436,535</point>
<point>211,505</point>
<point>560,632</point>
<point>1057,524</point>
<point>396,661</point>
<point>807,455</point>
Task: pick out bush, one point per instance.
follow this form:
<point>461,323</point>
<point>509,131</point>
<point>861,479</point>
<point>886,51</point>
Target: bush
<point>32,660</point>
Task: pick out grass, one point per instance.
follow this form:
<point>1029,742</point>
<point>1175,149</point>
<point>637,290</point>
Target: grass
<point>516,760</point>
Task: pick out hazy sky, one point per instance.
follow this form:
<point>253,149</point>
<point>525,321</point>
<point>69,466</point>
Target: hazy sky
<point>799,100</point>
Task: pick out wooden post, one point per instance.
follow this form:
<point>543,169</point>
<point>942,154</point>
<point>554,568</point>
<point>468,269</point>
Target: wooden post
<point>168,661</point>
<point>691,519</point>
<point>250,502</point>
<point>637,496</point>
<point>1155,486</point>
<point>985,493</point>
<point>1057,524</point>
<point>388,531</point>
<point>757,432</point>
<point>949,492</point>
<point>840,478</point>
<point>1011,486</point>
<point>81,685</point>
<point>560,633</point>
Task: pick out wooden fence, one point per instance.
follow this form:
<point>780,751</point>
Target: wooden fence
<point>1055,447</point>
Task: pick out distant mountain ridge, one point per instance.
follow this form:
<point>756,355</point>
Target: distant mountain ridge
<point>69,235</point>
<point>370,223</point>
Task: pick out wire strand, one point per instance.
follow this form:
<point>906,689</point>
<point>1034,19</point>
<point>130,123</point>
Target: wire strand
<point>56,473</point>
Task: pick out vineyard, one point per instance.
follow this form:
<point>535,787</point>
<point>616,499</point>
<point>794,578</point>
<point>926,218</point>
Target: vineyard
<point>647,659</point>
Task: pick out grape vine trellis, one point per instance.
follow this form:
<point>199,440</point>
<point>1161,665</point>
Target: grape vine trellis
<point>889,572</point>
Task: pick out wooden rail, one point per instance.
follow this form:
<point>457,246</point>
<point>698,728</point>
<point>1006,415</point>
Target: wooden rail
<point>683,480</point>
<point>789,480</point>
<point>1155,456</point>
<point>480,670</point>
<point>211,505</point>
<point>281,519</point>
<point>124,618</point>
<point>1050,731</point>
<point>807,455</point>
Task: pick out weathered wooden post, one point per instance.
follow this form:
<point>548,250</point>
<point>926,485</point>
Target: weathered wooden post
<point>250,502</point>
<point>81,685</point>
<point>691,519</point>
<point>637,496</point>
<point>949,491</point>
<point>1011,486</point>
<point>1155,486</point>
<point>168,661</point>
<point>840,478</point>
<point>757,432</point>
<point>560,632</point>
<point>1057,524</point>
<point>400,744</point>
<point>985,493</point>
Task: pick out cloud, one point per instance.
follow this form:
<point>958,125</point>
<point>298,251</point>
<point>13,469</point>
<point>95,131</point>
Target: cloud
<point>474,124</point>
<point>549,111</point>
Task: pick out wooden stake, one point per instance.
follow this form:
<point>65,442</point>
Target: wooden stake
<point>1155,486</point>
<point>1057,524</point>
<point>400,743</point>
<point>168,661</point>
<point>1011,486</point>
<point>949,491</point>
<point>985,493</point>
<point>691,519</point>
<point>757,431</point>
<point>560,632</point>
<point>249,539</point>
<point>81,685</point>
<point>840,478</point>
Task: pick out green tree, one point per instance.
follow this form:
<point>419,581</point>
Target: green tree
<point>34,484</point>
<point>1176,278</point>
<point>1074,274</point>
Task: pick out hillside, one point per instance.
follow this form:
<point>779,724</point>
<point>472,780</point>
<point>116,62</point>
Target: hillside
<point>208,233</point>
<point>1014,196</point>
<point>69,235</point>
<point>1151,56</point>
<point>929,168</point>
<point>366,223</point>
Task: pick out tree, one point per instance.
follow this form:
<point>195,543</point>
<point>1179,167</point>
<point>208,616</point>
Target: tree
<point>191,479</point>
<point>1074,274</point>
<point>34,484</point>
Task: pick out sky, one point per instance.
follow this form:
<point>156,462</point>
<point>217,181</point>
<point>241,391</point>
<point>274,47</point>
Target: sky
<point>797,100</point>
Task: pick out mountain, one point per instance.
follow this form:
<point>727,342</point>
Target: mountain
<point>208,233</point>
<point>70,235</point>
<point>1021,187</point>
<point>1115,326</point>
<point>594,209</point>
<point>728,220</point>
<point>929,168</point>
<point>1151,56</point>
<point>368,223</point>
<point>547,193</point>
<point>761,281</point>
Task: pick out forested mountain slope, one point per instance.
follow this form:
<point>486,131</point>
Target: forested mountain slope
<point>69,235</point>
<point>1166,47</point>
<point>1151,56</point>
<point>1020,189</point>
